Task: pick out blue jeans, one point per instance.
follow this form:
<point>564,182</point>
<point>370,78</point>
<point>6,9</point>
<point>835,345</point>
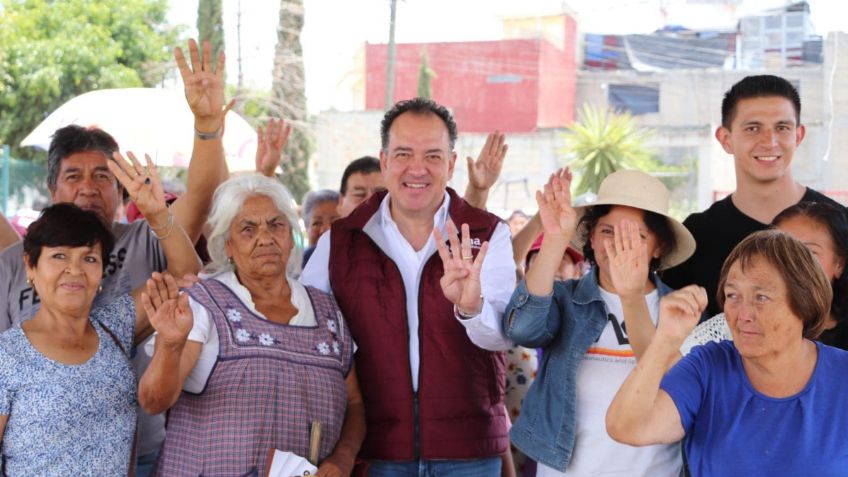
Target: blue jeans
<point>489,467</point>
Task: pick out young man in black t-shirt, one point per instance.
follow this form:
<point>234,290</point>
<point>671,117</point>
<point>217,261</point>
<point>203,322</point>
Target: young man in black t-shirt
<point>761,127</point>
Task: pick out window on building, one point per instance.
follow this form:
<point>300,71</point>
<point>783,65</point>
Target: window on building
<point>506,78</point>
<point>634,98</point>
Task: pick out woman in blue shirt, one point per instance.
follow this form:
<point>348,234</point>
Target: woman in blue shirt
<point>593,329</point>
<point>767,403</point>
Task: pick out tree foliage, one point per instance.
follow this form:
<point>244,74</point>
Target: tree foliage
<point>425,77</point>
<point>602,142</point>
<point>51,51</point>
<point>210,23</point>
<point>289,95</point>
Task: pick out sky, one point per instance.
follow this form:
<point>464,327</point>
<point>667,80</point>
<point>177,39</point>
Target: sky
<point>334,30</point>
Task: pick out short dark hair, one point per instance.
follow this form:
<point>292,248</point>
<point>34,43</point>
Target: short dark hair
<point>73,139</point>
<point>66,225</point>
<point>363,165</point>
<point>758,86</point>
<point>418,106</point>
<point>808,291</point>
<point>833,218</point>
<point>655,222</point>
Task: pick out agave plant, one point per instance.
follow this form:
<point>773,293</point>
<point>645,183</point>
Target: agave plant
<point>602,142</point>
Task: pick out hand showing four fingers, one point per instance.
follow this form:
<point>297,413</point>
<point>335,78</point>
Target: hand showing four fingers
<point>555,211</point>
<point>461,281</point>
<point>167,309</point>
<point>628,259</point>
<point>204,85</point>
<point>271,141</point>
<point>143,186</point>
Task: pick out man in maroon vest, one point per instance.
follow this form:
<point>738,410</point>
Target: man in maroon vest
<point>426,324</point>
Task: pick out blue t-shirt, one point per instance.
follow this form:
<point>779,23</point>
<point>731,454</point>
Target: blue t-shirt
<point>70,419</point>
<point>733,430</point>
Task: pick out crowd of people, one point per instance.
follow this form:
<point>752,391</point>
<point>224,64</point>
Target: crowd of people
<point>418,333</point>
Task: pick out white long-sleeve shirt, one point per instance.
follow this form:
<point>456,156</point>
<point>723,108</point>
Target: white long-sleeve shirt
<point>497,277</point>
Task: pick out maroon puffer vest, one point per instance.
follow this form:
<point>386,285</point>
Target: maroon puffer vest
<point>458,411</point>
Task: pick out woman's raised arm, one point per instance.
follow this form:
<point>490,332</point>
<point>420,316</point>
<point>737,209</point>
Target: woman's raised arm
<point>174,356</point>
<point>145,189</point>
<point>641,413</point>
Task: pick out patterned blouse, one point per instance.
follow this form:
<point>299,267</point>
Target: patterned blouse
<point>70,419</point>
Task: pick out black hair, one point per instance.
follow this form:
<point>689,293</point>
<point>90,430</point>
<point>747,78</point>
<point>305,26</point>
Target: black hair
<point>363,165</point>
<point>418,106</point>
<point>834,219</point>
<point>655,222</point>
<point>73,139</point>
<point>758,86</point>
<point>66,225</point>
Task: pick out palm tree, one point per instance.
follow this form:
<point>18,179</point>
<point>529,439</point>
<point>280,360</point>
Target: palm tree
<point>288,87</point>
<point>602,142</point>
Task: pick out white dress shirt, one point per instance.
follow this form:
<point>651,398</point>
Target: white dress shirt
<point>497,277</point>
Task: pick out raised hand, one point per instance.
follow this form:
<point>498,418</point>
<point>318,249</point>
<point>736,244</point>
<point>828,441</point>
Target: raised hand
<point>484,172</point>
<point>628,258</point>
<point>269,150</point>
<point>168,310</point>
<point>461,281</point>
<point>204,85</point>
<point>555,211</point>
<point>680,312</point>
<point>143,186</point>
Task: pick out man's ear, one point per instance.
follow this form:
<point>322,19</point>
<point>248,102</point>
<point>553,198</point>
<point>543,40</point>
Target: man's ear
<point>722,134</point>
<point>383,161</point>
<point>451,164</point>
<point>800,133</point>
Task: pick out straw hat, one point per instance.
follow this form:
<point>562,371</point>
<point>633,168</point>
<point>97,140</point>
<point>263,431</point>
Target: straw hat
<point>639,190</point>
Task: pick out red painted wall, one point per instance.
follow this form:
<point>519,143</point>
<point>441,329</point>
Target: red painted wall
<point>558,80</point>
<point>509,85</point>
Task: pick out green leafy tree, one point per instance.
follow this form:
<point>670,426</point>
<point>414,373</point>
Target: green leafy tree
<point>288,87</point>
<point>210,23</point>
<point>602,142</point>
<point>425,77</point>
<point>51,51</point>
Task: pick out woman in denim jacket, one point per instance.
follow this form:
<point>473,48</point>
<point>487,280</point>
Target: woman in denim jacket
<point>593,329</point>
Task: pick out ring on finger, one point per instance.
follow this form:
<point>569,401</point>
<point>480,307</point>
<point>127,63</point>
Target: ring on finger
<point>467,257</point>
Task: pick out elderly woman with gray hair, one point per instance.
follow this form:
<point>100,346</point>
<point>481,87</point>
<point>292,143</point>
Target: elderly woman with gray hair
<point>319,211</point>
<point>253,358</point>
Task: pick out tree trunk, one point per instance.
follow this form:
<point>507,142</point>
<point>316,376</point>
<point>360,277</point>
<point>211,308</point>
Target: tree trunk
<point>210,25</point>
<point>289,95</point>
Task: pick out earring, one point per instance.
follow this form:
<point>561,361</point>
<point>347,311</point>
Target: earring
<point>29,281</point>
<point>100,288</point>
<point>230,260</point>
